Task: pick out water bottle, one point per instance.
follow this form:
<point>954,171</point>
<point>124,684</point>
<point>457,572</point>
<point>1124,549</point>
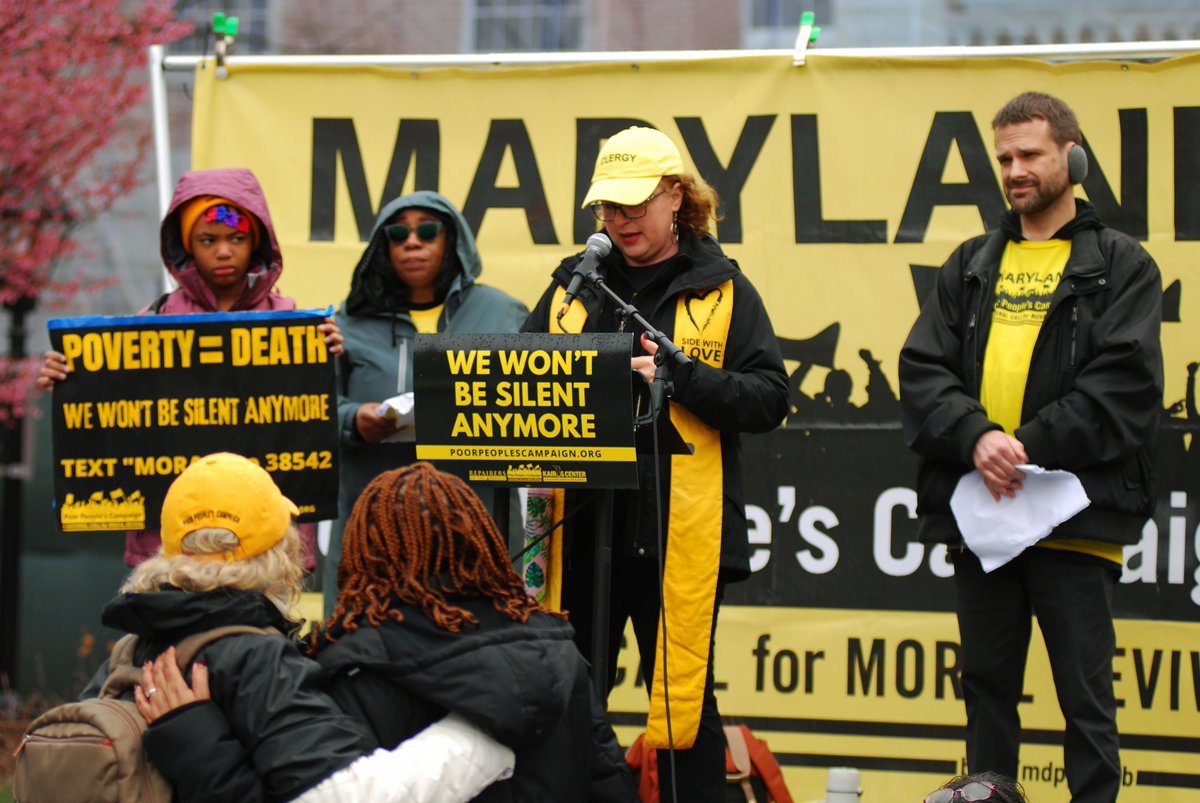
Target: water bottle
<point>845,786</point>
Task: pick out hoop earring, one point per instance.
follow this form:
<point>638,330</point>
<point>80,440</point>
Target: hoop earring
<point>675,226</point>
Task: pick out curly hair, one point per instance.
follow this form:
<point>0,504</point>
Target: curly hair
<point>700,204</point>
<point>278,573</point>
<point>414,535</point>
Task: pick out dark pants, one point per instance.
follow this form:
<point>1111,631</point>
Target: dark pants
<point>699,771</point>
<point>1071,595</point>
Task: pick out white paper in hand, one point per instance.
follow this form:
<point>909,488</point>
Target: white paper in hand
<point>401,410</point>
<point>999,531</point>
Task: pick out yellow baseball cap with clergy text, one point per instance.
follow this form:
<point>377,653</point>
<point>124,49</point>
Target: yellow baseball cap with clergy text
<point>231,492</point>
<point>631,164</point>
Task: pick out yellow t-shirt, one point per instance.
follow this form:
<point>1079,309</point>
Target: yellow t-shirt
<point>1029,274</point>
<point>426,320</point>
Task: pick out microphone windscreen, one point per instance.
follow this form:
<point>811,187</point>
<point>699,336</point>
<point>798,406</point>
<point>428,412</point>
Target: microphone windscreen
<point>599,243</point>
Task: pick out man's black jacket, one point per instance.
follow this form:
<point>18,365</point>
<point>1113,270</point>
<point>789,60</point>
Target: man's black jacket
<point>1093,400</point>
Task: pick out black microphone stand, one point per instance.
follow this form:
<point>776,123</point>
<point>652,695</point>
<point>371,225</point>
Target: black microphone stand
<point>666,359</point>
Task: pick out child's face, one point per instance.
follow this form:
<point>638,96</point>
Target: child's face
<point>222,254</point>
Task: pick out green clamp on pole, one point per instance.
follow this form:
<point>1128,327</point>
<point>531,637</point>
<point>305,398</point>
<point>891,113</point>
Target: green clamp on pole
<point>225,29</point>
<point>808,20</point>
<point>806,36</point>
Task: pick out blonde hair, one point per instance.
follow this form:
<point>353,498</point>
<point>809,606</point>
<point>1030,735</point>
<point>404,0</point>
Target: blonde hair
<point>700,204</point>
<point>277,573</point>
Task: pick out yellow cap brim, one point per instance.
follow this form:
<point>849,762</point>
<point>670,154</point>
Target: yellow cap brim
<point>624,191</point>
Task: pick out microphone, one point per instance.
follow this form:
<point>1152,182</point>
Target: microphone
<point>598,247</point>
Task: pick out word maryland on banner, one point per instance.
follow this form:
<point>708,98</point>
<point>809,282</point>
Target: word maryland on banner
<point>845,184</point>
<point>531,409</point>
<point>150,394</point>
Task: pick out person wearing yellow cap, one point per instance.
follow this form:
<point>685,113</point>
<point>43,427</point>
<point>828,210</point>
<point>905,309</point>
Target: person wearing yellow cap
<point>666,262</point>
<point>219,246</point>
<point>231,556</point>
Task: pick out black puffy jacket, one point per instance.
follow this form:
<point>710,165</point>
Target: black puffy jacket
<point>525,683</point>
<point>1093,400</point>
<point>269,733</point>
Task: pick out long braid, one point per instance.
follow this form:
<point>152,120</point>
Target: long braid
<point>415,534</point>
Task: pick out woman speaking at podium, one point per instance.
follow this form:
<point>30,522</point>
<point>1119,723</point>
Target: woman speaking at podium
<point>667,264</point>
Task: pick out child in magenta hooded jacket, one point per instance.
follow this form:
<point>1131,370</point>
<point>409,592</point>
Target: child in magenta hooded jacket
<point>218,244</point>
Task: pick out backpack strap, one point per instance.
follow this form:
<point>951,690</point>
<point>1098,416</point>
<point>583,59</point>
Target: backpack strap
<point>738,753</point>
<point>123,675</point>
<point>157,306</point>
<point>767,768</point>
<point>735,739</point>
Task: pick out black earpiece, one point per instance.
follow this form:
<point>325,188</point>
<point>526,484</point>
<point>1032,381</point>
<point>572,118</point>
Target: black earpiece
<point>1077,164</point>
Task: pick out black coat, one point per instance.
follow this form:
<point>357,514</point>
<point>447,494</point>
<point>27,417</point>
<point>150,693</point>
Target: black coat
<point>525,683</point>
<point>269,732</point>
<point>1093,401</point>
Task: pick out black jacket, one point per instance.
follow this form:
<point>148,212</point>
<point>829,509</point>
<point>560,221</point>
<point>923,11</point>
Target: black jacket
<point>748,394</point>
<point>1093,400</point>
<point>525,683</point>
<point>269,733</point>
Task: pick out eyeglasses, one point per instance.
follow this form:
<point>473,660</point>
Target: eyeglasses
<point>606,212</point>
<point>974,791</point>
<point>427,231</point>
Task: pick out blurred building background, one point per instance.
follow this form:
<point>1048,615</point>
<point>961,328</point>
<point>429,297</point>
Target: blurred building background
<point>56,653</point>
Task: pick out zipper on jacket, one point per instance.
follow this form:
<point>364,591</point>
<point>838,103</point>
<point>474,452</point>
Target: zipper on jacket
<point>1074,330</point>
<point>402,365</point>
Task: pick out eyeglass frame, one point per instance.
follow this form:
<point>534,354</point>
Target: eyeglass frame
<point>396,239</point>
<point>957,794</point>
<point>598,207</point>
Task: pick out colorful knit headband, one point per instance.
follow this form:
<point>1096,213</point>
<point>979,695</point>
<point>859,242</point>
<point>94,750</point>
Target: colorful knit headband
<point>215,209</point>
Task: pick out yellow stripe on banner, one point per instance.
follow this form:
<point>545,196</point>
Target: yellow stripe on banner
<point>693,537</point>
<point>600,454</point>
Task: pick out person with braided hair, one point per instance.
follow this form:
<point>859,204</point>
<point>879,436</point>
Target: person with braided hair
<point>433,626</point>
<point>432,619</point>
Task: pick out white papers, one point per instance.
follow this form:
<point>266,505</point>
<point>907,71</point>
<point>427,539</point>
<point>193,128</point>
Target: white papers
<point>999,531</point>
<point>400,409</point>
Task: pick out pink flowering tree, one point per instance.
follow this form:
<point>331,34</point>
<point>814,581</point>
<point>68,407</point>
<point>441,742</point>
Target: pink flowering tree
<point>72,72</point>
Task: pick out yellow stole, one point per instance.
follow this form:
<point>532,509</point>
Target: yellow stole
<point>694,525</point>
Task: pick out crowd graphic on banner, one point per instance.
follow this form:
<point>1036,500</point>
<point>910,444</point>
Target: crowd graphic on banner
<point>1181,422</point>
<point>832,405</point>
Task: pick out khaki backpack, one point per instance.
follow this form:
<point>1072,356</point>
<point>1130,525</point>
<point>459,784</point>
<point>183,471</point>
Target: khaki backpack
<point>91,751</point>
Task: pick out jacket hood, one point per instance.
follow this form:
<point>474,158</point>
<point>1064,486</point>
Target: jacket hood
<point>1085,218</point>
<point>240,186</point>
<point>374,284</point>
<point>171,614</point>
<point>514,679</point>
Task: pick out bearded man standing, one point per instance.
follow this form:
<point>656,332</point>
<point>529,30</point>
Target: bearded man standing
<point>1040,345</point>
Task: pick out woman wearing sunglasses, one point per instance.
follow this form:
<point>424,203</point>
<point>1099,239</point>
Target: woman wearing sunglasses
<point>667,264</point>
<point>989,786</point>
<point>418,274</point>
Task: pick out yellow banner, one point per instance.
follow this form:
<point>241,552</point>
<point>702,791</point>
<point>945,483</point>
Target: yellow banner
<point>839,179</point>
<point>845,183</point>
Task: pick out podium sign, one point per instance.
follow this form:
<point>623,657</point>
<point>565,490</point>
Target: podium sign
<point>150,394</point>
<point>552,411</point>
